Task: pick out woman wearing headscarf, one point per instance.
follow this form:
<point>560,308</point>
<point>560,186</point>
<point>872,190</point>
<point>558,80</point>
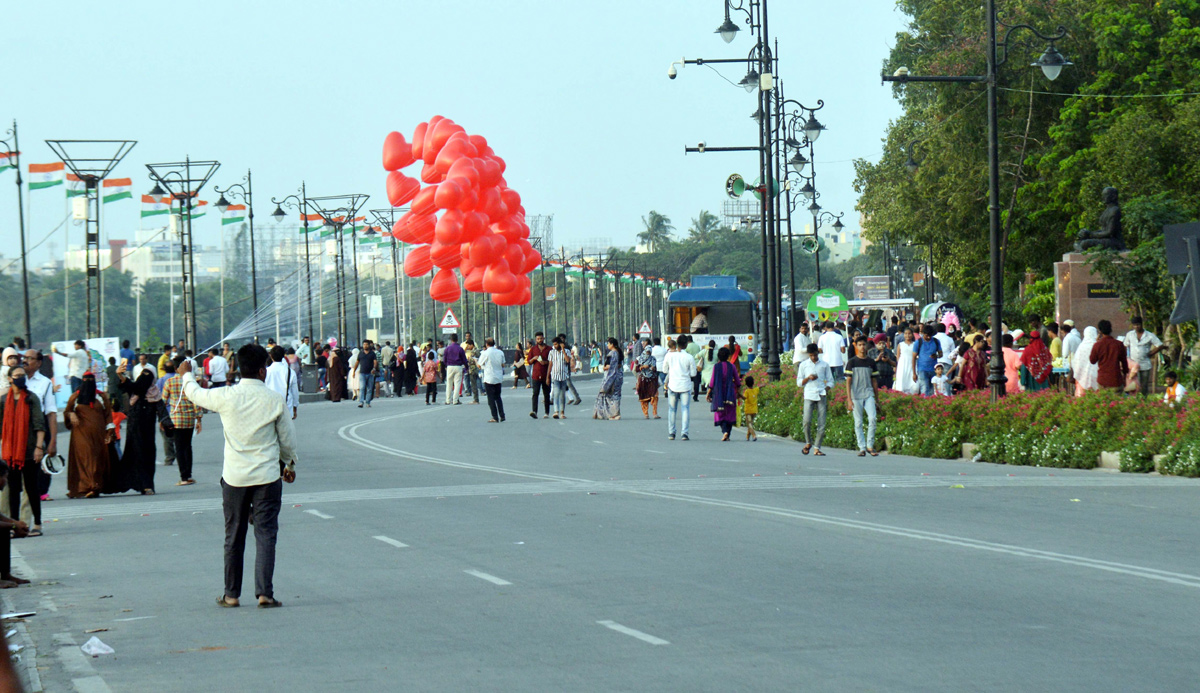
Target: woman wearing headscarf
<point>412,369</point>
<point>22,444</point>
<point>608,401</point>
<point>139,455</point>
<point>723,392</point>
<point>972,365</point>
<point>354,384</point>
<point>88,416</point>
<point>1036,364</point>
<point>1082,369</point>
<point>337,375</point>
<point>647,380</point>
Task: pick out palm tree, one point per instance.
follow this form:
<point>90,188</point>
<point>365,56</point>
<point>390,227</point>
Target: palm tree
<point>658,230</point>
<point>703,226</point>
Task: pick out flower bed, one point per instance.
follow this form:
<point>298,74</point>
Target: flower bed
<point>1048,429</point>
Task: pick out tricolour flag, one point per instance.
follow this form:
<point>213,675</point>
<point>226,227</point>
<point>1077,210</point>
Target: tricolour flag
<point>314,223</point>
<point>117,189</point>
<point>75,186</point>
<point>153,206</point>
<point>7,160</point>
<point>234,214</point>
<point>198,209</point>
<point>45,175</point>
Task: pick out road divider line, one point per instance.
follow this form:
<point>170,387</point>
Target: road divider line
<point>393,542</point>
<point>490,578</point>
<point>644,637</point>
<point>319,514</point>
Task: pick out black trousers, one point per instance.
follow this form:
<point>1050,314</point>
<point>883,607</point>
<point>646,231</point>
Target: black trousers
<point>183,452</point>
<point>696,387</point>
<point>494,402</point>
<point>542,388</point>
<point>238,503</point>
<point>6,552</point>
<point>25,478</point>
<point>430,393</point>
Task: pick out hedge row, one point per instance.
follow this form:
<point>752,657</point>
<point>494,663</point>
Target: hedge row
<point>1048,429</point>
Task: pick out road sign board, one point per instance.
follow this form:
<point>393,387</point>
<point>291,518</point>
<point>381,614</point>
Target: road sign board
<point>374,307</point>
<point>448,320</point>
<point>645,329</point>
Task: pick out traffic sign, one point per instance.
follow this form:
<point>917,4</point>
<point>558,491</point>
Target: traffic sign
<point>448,320</point>
<point>645,329</point>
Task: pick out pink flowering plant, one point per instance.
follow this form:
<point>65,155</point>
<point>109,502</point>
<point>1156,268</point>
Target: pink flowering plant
<point>1049,428</point>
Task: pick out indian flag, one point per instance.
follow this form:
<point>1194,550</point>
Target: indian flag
<point>75,186</point>
<point>7,160</point>
<point>355,225</point>
<point>198,209</point>
<point>153,206</point>
<point>116,189</point>
<point>45,175</point>
<point>311,222</point>
<point>234,214</point>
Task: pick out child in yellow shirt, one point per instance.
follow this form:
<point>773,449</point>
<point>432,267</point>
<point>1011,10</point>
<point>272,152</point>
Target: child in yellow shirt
<point>749,407</point>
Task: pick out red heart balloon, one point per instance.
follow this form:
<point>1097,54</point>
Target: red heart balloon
<point>470,199</point>
<point>451,153</point>
<point>484,251</point>
<point>449,228</point>
<point>418,264</point>
<point>444,256</point>
<point>444,287</point>
<point>449,194</point>
<point>514,256</point>
<point>396,152</point>
<point>424,202</point>
<point>401,232</point>
<point>473,225</point>
<point>490,204</point>
<point>418,140</point>
<point>429,174</point>
<point>478,141</point>
<point>401,188</point>
<point>489,172</point>
<point>533,260</point>
<point>511,199</point>
<point>474,280</point>
<point>437,138</point>
<point>422,228</point>
<point>464,168</point>
<point>498,279</point>
<point>427,151</point>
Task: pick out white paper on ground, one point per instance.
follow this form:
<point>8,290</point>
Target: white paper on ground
<point>96,647</point>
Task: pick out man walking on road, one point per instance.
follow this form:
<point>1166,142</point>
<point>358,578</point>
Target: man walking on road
<point>861,374</point>
<point>538,360</point>
<point>833,350</point>
<point>575,361</point>
<point>387,356</point>
<point>259,440</point>
<point>455,359</point>
<point>491,365</point>
<point>680,369</point>
<point>367,361</point>
<point>279,378</point>
<point>218,369</point>
<point>1108,354</point>
<point>815,377</point>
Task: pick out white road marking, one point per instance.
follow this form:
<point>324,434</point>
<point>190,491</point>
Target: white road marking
<point>490,578</point>
<point>723,459</point>
<point>599,442</point>
<point>574,433</point>
<point>135,618</point>
<point>393,542</point>
<point>644,637</point>
<point>656,452</point>
<point>319,514</point>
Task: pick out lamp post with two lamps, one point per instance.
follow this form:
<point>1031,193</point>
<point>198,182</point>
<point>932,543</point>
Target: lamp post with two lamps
<point>298,202</point>
<point>244,192</point>
<point>1051,64</point>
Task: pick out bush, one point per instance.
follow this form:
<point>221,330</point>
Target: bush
<point>1047,428</point>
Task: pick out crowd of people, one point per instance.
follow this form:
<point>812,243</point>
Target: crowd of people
<point>945,357</point>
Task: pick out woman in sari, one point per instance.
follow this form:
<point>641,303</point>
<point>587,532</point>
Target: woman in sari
<point>88,416</point>
<point>647,380</point>
<point>1036,365</point>
<point>140,452</point>
<point>1082,369</point>
<point>337,375</point>
<point>708,360</point>
<point>972,366</point>
<point>735,351</point>
<point>723,391</point>
<point>608,401</point>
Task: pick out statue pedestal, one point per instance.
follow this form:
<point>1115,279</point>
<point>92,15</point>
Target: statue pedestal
<point>1083,296</point>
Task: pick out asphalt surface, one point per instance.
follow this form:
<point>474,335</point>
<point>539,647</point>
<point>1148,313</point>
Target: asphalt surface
<point>423,549</point>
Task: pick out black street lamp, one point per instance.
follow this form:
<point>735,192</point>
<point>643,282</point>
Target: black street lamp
<point>1051,63</point>
<point>299,203</point>
<point>245,192</point>
<point>12,157</point>
<point>387,220</point>
<point>336,211</point>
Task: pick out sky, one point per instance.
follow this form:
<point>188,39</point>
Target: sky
<point>574,96</point>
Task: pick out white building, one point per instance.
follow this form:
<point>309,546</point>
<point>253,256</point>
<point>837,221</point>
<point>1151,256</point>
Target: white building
<point>152,256</point>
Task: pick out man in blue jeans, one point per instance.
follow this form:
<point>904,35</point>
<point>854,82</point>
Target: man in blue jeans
<point>366,373</point>
<point>926,353</point>
<point>680,368</point>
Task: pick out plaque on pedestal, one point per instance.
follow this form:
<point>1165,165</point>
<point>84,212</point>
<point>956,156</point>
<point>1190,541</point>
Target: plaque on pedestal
<point>1082,295</point>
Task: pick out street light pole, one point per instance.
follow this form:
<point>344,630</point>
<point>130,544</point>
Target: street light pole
<point>245,192</point>
<point>13,158</point>
<point>1051,63</point>
<point>299,203</point>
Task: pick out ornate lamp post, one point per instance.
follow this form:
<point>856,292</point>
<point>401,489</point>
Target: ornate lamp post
<point>299,203</point>
<point>245,191</point>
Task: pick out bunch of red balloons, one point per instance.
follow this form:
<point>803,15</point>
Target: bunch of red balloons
<point>466,218</point>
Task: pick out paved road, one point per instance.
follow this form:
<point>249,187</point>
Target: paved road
<point>424,549</point>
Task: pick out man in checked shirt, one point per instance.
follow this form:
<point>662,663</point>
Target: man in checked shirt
<point>186,417</point>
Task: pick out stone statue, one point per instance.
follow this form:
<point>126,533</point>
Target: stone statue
<point>1109,234</point>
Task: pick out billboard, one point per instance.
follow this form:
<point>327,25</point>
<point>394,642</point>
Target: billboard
<point>100,350</point>
<point>869,288</point>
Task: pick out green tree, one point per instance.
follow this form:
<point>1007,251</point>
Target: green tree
<point>703,226</point>
<point>657,231</point>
